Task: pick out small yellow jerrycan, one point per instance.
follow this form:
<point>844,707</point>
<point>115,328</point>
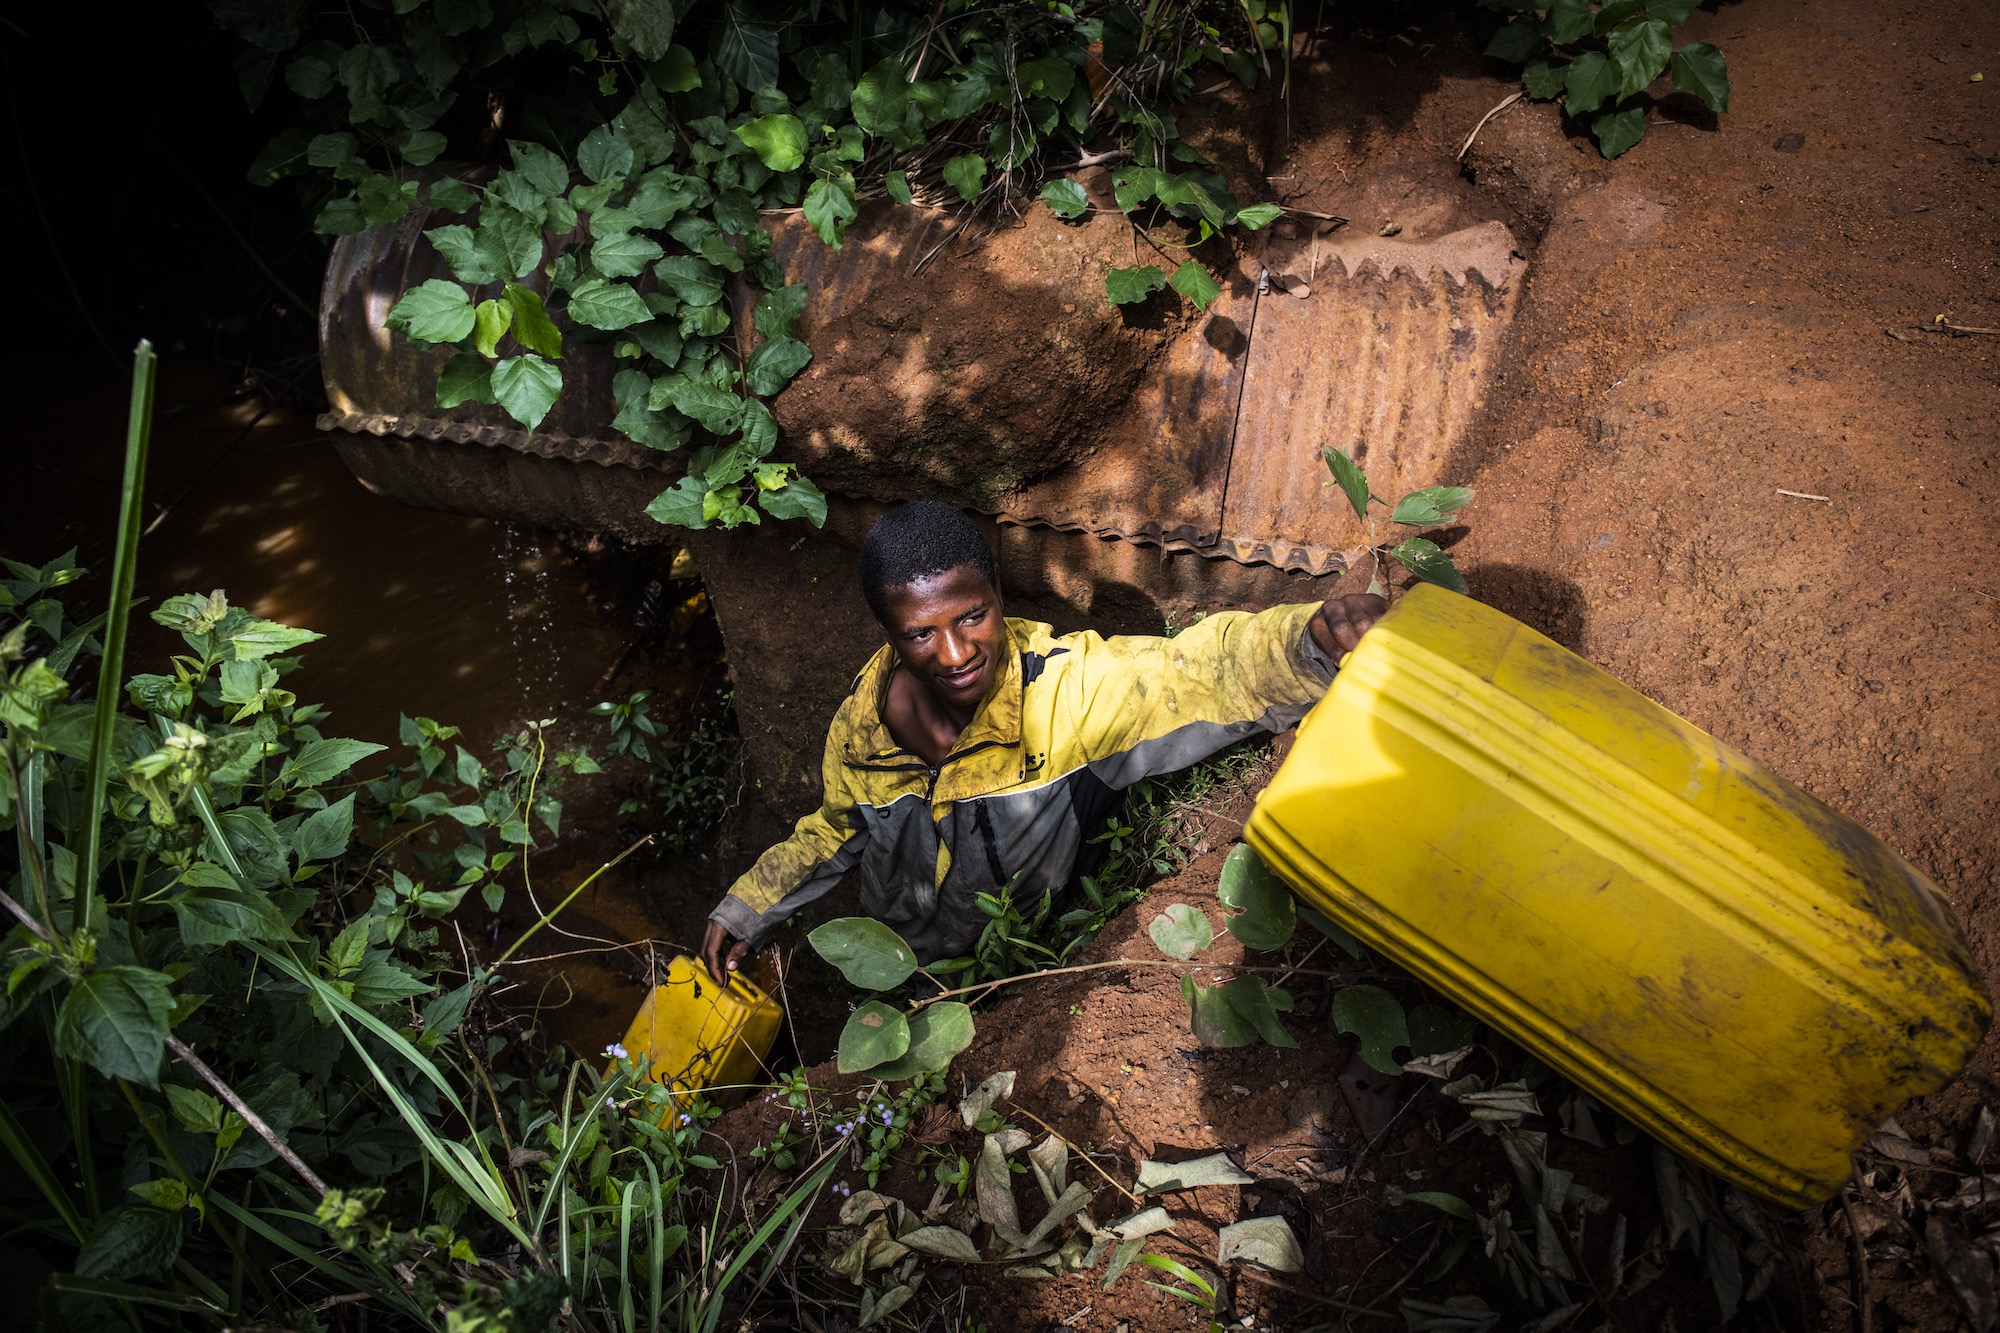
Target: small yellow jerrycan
<point>1749,976</point>
<point>699,1036</point>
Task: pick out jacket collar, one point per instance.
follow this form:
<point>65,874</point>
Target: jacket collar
<point>995,726</point>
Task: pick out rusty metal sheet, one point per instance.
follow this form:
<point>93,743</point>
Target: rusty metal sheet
<point>1162,470</point>
<point>1390,361</point>
<point>379,383</point>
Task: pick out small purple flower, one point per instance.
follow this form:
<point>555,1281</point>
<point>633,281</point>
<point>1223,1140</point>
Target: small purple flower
<point>888,1116</point>
<point>614,1052</point>
<point>841,1189</point>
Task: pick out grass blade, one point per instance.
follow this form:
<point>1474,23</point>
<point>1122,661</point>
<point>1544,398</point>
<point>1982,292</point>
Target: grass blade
<point>110,674</point>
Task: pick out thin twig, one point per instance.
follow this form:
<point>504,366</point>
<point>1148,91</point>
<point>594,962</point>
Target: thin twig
<point>1806,495</point>
<point>1857,1253</point>
<point>1503,104</point>
<point>250,1117</point>
<point>985,986</point>
<point>1108,1179</point>
<point>1332,1301</point>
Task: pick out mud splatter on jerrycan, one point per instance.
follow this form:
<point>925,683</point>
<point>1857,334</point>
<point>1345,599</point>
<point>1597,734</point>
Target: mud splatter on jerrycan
<point>1743,972</point>
<point>698,1036</point>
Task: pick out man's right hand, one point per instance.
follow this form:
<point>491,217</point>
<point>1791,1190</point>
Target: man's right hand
<point>723,952</point>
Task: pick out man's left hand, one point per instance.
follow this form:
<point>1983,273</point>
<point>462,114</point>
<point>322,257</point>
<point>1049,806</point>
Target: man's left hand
<point>1343,620</point>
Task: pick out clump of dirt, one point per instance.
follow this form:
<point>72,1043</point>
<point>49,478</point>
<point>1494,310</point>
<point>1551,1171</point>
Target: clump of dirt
<point>962,363</point>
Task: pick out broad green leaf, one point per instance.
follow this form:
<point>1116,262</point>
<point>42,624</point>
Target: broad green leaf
<point>1699,68</point>
<point>1427,562</point>
<point>605,154</point>
<point>1375,1017</point>
<point>675,72</point>
<point>829,207</point>
<point>1673,13</point>
<point>257,638</point>
<point>539,166</point>
<point>624,255</point>
<point>450,195</point>
<point>691,278</point>
<point>799,498</point>
<point>1543,80</point>
<point>966,173</point>
<point>533,328</point>
<point>1617,12</point>
<point>1065,198</point>
<point>1617,131</point>
<point>1132,186</point>
<point>646,26</point>
<point>1431,505</point>
<point>1264,916</point>
<point>1590,79</point>
<point>718,410</point>
<point>420,148</point>
<point>771,367</point>
<point>526,386</point>
<point>938,1033</point>
<point>434,311</point>
<point>607,305</point>
<point>777,313</point>
<point>132,1240</point>
<point>679,505</point>
<point>875,1034</point>
<point>260,850</point>
<point>1181,931</point>
<point>115,1020</point>
<point>1268,1242</point>
<point>383,983</point>
<point>1640,48</point>
<point>1568,20</point>
<point>1216,1021</point>
<point>209,918</point>
<point>745,51</point>
<point>322,760</point>
<point>1215,1169</point>
<point>1353,482</point>
<point>1187,197</point>
<point>490,321</point>
<point>510,239</point>
<point>466,378</point>
<point>1517,41</point>
<point>868,953</point>
<point>779,140</point>
<point>897,183</point>
<point>1258,216</point>
<point>1192,280</point>
<point>1129,286</point>
<point>1259,1005</point>
<point>470,261</point>
<point>881,99</point>
<point>1331,929</point>
<point>194,1110</point>
<point>1051,77</point>
<point>324,834</point>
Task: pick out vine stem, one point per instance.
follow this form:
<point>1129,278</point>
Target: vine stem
<point>985,986</point>
<point>551,914</point>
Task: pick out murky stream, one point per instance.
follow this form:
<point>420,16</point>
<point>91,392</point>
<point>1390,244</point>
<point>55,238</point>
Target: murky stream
<point>461,619</point>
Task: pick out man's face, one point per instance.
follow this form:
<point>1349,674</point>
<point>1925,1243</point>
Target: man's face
<point>948,631</point>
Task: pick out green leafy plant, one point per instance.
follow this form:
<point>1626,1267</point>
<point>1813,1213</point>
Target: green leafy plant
<point>1597,58</point>
<point>1429,507</point>
<point>685,785</point>
<point>245,1077</point>
<point>643,143</point>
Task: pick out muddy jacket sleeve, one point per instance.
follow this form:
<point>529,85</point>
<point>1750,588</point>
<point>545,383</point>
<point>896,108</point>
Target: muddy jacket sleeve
<point>803,867</point>
<point>1153,705</point>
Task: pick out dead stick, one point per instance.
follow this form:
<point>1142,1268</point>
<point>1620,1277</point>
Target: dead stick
<point>1333,1301</point>
<point>250,1117</point>
<point>1857,1253</point>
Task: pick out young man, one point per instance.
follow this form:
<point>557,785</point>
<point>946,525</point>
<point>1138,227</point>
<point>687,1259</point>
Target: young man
<point>977,752</point>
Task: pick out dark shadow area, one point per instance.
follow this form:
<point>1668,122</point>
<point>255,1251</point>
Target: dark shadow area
<point>1544,601</point>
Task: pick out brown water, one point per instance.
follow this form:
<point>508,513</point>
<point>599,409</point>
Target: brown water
<point>461,619</point>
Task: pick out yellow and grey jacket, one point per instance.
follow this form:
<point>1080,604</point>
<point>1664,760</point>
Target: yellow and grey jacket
<point>1069,722</point>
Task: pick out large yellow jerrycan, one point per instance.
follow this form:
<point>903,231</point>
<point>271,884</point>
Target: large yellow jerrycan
<point>698,1036</point>
<point>1751,977</point>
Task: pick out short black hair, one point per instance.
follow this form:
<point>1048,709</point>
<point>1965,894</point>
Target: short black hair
<point>917,540</point>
